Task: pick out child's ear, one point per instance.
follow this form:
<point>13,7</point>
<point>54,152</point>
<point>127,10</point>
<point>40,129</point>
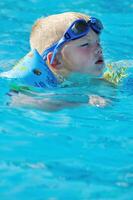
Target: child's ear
<point>56,63</point>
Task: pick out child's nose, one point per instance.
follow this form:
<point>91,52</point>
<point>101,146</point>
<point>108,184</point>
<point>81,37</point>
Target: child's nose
<point>98,44</point>
<point>98,49</point>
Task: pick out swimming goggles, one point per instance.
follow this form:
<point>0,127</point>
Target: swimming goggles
<point>78,29</point>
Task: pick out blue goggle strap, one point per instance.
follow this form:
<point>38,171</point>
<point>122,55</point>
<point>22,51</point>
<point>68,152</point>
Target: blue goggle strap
<point>54,48</point>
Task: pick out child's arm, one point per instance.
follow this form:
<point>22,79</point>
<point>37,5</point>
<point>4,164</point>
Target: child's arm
<point>47,104</point>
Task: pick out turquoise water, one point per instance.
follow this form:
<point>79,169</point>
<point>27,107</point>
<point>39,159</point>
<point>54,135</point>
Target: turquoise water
<point>84,153</point>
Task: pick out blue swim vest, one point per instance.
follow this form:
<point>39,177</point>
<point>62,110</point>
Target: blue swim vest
<point>33,71</point>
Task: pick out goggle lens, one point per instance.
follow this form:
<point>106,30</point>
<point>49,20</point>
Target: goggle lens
<point>80,27</point>
<point>96,24</point>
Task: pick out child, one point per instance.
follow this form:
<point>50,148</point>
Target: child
<point>68,43</point>
<point>82,53</point>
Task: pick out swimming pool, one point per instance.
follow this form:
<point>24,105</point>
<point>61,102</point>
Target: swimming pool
<point>85,153</point>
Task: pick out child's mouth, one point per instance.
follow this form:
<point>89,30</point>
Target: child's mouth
<point>99,61</point>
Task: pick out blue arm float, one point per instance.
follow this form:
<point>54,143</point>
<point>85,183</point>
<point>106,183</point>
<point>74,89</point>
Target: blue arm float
<point>33,71</point>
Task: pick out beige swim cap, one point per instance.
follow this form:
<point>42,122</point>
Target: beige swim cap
<point>48,30</point>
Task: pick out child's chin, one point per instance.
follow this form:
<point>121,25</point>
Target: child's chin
<point>100,69</point>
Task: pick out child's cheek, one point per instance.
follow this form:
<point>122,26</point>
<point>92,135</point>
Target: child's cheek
<point>82,55</point>
<point>83,51</point>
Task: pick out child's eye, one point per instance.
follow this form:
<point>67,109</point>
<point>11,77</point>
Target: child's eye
<point>85,45</point>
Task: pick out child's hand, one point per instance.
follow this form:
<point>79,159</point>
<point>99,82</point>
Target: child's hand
<point>95,100</point>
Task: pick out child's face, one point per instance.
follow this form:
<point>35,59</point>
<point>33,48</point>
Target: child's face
<point>84,55</point>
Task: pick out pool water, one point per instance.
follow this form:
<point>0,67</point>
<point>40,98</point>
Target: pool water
<point>84,153</point>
